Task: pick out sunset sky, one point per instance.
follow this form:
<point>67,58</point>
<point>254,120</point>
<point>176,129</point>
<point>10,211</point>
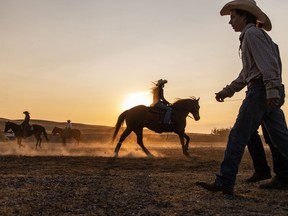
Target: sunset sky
<point>90,60</point>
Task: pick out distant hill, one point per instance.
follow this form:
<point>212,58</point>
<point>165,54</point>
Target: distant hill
<point>102,133</point>
<point>49,125</point>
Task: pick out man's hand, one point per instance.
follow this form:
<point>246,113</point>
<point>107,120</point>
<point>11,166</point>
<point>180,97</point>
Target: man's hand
<point>273,102</point>
<point>220,96</point>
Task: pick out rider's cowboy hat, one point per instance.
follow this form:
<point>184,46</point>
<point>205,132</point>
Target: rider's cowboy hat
<point>251,7</point>
<point>26,112</point>
<point>161,82</point>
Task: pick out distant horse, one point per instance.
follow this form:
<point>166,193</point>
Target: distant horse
<point>37,131</point>
<point>142,116</point>
<point>74,133</point>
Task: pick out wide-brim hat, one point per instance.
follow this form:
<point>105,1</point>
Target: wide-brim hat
<point>161,82</point>
<point>251,7</point>
<point>26,112</point>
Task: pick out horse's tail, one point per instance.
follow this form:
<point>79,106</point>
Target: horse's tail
<point>119,123</point>
<point>45,134</point>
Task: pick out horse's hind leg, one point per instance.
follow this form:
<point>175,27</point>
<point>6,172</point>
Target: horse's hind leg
<point>139,134</point>
<point>122,138</point>
<point>19,140</point>
<point>38,141</point>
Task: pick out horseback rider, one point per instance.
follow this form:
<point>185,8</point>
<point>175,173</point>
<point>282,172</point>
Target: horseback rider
<point>68,128</point>
<point>25,126</point>
<point>160,101</point>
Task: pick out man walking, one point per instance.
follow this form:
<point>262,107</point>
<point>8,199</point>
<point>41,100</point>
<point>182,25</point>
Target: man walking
<point>261,73</point>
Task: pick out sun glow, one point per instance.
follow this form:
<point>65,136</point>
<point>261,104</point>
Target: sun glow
<point>137,98</point>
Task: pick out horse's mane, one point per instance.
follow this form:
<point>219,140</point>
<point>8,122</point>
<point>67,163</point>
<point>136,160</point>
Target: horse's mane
<point>181,100</point>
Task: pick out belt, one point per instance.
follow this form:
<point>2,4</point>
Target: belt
<point>255,82</point>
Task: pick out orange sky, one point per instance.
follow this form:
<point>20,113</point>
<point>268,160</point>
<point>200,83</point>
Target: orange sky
<point>80,60</point>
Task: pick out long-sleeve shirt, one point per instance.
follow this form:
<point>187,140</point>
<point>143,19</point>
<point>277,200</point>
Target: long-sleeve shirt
<point>158,96</point>
<point>27,119</point>
<point>69,125</point>
<point>260,59</point>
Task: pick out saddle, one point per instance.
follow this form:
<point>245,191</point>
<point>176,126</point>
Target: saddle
<point>161,126</point>
<point>28,130</point>
<point>158,110</point>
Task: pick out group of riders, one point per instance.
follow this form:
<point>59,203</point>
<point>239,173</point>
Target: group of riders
<point>27,128</point>
<point>158,101</point>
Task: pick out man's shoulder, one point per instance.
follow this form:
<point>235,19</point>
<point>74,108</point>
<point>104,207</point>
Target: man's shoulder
<point>256,33</point>
<point>253,31</point>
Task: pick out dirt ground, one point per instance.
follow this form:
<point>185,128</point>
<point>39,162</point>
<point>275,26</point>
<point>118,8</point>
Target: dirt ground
<point>82,180</point>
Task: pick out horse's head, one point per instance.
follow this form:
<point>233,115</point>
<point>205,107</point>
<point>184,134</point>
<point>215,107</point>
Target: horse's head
<point>195,108</point>
<point>190,105</point>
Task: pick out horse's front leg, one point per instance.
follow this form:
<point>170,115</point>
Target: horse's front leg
<point>184,148</point>
<point>187,141</point>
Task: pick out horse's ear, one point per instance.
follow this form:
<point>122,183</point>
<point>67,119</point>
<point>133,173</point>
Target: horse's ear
<point>198,99</point>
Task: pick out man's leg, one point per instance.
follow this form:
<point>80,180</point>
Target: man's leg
<point>167,118</point>
<point>275,125</point>
<point>248,120</point>
<point>275,129</point>
<point>256,150</point>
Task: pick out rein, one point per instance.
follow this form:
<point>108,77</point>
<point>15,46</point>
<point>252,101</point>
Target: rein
<point>190,117</point>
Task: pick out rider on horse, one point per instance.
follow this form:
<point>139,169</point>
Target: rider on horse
<point>160,101</point>
<point>25,126</point>
<point>68,128</point>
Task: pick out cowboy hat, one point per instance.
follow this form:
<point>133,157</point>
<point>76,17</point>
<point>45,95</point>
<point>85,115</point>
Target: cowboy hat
<point>161,82</point>
<point>26,112</point>
<point>251,7</point>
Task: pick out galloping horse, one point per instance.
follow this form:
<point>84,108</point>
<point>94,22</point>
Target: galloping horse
<point>74,133</point>
<point>142,116</point>
<point>37,131</point>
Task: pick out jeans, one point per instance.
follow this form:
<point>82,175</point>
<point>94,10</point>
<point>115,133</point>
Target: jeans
<point>257,152</point>
<point>280,162</point>
<point>168,109</point>
<point>252,113</point>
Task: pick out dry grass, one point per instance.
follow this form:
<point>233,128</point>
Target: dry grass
<point>81,180</point>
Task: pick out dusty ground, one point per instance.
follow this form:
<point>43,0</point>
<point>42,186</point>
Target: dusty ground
<point>81,180</point>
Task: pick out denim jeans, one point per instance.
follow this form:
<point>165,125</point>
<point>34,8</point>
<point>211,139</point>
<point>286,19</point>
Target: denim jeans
<point>252,112</point>
<point>168,109</point>
<point>257,152</point>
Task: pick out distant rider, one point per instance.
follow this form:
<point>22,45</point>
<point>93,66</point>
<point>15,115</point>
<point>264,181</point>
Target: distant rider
<point>68,128</point>
<point>25,126</point>
<point>160,101</point>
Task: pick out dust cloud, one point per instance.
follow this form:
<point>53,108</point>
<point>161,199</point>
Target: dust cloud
<point>97,149</point>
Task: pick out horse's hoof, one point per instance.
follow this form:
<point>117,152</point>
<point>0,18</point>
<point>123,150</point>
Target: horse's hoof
<point>111,160</point>
<point>186,154</point>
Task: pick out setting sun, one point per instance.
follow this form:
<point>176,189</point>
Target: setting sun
<point>137,98</point>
